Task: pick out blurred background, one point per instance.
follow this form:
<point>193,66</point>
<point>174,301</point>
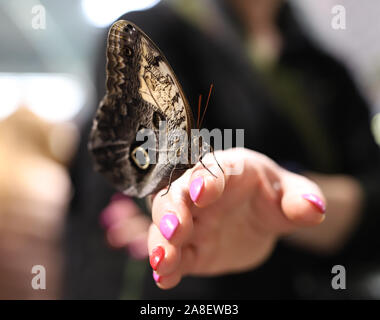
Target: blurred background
<point>47,65</point>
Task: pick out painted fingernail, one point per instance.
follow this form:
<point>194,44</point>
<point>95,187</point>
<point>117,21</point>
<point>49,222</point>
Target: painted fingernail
<point>156,257</point>
<point>168,225</point>
<point>316,201</point>
<point>120,196</point>
<point>196,188</point>
<point>156,277</point>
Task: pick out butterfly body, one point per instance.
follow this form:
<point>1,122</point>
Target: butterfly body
<point>141,92</point>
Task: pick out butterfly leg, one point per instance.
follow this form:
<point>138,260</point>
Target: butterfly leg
<point>213,153</point>
<point>204,166</point>
<point>170,181</point>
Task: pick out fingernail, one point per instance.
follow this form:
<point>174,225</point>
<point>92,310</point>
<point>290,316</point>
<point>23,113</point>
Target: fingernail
<point>119,196</point>
<point>315,200</point>
<point>157,255</point>
<point>156,277</point>
<point>168,225</point>
<point>196,188</point>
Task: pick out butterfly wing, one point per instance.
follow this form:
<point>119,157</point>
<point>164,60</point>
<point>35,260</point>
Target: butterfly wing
<point>141,91</point>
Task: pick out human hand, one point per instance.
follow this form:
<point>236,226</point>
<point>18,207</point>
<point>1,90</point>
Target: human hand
<point>126,226</point>
<point>210,226</point>
<point>345,196</point>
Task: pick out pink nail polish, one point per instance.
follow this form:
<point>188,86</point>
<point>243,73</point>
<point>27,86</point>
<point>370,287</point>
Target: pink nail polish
<point>168,225</point>
<point>316,201</point>
<point>196,188</point>
<point>156,277</point>
<point>120,196</point>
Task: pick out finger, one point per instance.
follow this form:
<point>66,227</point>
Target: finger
<point>138,248</point>
<point>164,257</point>
<point>171,212</point>
<point>303,202</point>
<point>127,230</point>
<point>185,267</point>
<point>117,210</point>
<point>207,182</point>
<point>167,281</point>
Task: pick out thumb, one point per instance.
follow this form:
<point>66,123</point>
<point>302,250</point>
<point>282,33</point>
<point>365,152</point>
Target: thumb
<point>303,202</point>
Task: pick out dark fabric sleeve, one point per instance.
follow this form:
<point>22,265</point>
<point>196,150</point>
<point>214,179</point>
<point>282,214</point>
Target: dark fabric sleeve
<point>361,158</point>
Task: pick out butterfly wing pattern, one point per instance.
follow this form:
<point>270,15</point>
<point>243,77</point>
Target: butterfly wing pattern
<point>141,91</point>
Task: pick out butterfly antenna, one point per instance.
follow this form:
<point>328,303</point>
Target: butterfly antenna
<point>208,99</point>
<point>199,110</point>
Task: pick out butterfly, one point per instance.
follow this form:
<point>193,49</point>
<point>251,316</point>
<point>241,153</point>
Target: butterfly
<point>142,91</point>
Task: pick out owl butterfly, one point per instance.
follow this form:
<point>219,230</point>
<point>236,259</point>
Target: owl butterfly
<point>142,91</point>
